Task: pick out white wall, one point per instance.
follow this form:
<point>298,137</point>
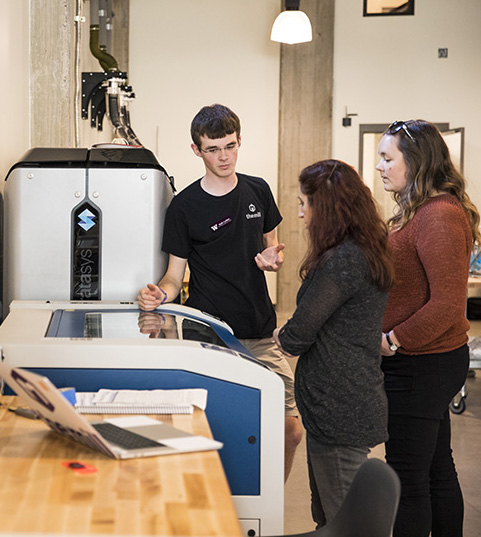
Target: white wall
<point>185,54</point>
<point>387,68</point>
<point>14,39</point>
<point>188,53</point>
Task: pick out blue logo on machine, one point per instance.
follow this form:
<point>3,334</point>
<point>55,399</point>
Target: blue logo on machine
<point>86,254</point>
<point>86,220</point>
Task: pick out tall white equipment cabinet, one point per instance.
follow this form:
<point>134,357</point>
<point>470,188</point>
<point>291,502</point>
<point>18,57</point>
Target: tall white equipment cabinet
<point>83,224</point>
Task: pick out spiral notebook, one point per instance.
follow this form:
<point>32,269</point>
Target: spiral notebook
<point>141,401</point>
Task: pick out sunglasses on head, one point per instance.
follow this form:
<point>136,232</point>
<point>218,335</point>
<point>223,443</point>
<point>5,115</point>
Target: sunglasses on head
<point>397,126</point>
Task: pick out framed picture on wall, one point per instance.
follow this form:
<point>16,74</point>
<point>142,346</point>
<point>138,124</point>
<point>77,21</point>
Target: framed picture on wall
<point>375,8</point>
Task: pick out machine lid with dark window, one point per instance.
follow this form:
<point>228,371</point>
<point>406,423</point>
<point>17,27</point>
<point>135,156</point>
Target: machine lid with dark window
<point>130,324</point>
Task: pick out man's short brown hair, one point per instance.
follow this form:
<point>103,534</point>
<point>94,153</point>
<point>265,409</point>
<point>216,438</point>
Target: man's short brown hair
<point>215,121</point>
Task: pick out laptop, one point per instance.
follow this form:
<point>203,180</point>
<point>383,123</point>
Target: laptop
<point>120,438</point>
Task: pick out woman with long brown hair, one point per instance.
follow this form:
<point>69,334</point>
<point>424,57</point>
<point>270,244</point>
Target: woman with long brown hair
<point>346,275</point>
<point>424,346</point>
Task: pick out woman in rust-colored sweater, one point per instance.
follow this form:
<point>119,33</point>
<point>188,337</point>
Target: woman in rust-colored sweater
<point>424,345</point>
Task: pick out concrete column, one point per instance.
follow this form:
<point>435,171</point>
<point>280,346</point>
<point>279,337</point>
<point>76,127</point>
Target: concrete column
<point>305,132</point>
<point>51,73</point>
<point>52,66</point>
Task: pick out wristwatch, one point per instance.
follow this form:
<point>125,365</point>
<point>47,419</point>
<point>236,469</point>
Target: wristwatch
<point>391,344</point>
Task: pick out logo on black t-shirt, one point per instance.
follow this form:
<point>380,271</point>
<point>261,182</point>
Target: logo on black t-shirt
<point>221,223</point>
<point>253,213</point>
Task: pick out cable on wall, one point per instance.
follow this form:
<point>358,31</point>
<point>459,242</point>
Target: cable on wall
<point>78,20</point>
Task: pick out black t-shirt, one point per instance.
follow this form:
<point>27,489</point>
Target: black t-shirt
<point>220,236</point>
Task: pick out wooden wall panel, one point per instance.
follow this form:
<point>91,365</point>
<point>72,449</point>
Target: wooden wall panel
<point>305,133</point>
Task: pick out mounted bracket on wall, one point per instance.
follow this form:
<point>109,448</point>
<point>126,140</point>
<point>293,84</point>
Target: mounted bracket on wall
<point>94,87</point>
<point>108,92</point>
<point>346,120</point>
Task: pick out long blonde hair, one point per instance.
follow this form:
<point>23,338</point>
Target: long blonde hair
<point>430,169</point>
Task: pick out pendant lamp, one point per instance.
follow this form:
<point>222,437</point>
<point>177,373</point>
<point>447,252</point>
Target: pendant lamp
<point>292,25</point>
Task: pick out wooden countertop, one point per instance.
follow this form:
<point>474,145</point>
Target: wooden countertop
<point>185,494</point>
<point>474,281</point>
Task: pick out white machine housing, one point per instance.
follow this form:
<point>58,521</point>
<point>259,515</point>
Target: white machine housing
<point>106,253</point>
<point>24,343</point>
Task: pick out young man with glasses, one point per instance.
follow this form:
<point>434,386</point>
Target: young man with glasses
<point>224,226</point>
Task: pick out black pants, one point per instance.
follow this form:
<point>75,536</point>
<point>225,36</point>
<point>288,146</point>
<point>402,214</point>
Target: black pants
<point>419,390</point>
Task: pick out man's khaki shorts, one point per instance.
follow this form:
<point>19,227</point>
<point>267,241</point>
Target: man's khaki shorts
<point>266,351</point>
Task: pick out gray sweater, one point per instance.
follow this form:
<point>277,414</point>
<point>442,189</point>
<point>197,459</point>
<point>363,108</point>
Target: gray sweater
<point>336,330</point>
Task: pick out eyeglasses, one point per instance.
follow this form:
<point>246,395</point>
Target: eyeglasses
<point>397,126</point>
<point>229,148</point>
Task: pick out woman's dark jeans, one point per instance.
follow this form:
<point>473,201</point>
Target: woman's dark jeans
<point>419,390</point>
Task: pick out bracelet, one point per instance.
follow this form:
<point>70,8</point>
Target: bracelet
<point>391,344</point>
<point>165,295</point>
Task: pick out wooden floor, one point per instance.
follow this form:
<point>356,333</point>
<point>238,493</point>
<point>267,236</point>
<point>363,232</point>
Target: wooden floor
<point>466,442</point>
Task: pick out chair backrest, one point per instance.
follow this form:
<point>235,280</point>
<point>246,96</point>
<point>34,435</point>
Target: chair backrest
<point>370,507</point>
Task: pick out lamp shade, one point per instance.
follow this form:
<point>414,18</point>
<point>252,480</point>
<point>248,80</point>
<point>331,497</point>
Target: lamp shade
<point>292,27</point>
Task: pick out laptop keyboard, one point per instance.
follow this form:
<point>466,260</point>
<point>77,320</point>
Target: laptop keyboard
<point>124,438</point>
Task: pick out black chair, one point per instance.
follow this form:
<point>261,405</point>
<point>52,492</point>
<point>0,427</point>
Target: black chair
<point>370,507</point>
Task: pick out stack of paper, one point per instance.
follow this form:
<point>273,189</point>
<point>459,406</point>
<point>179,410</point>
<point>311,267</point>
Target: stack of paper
<point>141,401</point>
